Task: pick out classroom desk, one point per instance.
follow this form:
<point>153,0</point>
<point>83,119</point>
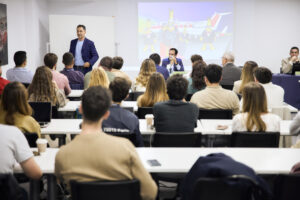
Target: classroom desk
<point>75,93</point>
<point>71,106</point>
<point>180,160</point>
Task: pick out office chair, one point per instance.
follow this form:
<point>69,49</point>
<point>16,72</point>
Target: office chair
<point>129,136</point>
<point>31,139</point>
<point>214,114</point>
<point>188,139</point>
<point>142,111</point>
<point>286,186</point>
<point>105,190</point>
<point>255,139</point>
<point>227,87</point>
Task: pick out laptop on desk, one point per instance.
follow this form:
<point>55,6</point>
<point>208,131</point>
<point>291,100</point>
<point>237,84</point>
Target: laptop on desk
<point>42,112</point>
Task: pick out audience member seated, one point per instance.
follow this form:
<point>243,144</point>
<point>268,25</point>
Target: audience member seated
<point>196,80</point>
<point>43,89</point>
<point>94,155</point>
<point>14,148</point>
<point>120,119</point>
<point>106,65</point>
<point>116,69</point>
<point>287,63</point>
<point>20,72</point>
<point>246,77</point>
<point>219,165</point>
<point>146,70</point>
<point>16,111</point>
<point>156,91</point>
<point>255,116</point>
<point>50,60</point>
<point>196,58</point>
<point>214,96</point>
<point>156,58</point>
<point>75,77</point>
<point>175,115</point>
<point>98,77</point>
<point>274,93</point>
<point>172,63</point>
<point>230,72</point>
<point>3,81</point>
<point>296,169</point>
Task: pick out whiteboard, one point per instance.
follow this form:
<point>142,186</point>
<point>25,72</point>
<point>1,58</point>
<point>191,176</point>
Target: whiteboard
<point>62,29</point>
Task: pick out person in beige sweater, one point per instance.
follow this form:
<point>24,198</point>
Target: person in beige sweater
<point>214,96</point>
<point>94,155</point>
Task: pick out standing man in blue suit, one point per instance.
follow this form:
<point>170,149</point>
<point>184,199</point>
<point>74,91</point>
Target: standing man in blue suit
<point>172,63</point>
<point>84,51</point>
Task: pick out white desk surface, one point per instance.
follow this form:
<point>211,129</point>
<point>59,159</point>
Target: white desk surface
<point>209,126</point>
<point>75,93</point>
<point>62,126</point>
<point>71,106</point>
<point>180,160</point>
<point>290,107</point>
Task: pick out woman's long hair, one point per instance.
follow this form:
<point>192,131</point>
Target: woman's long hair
<point>14,100</point>
<point>247,73</point>
<point>197,75</point>
<point>255,104</point>
<point>42,86</point>
<point>146,70</point>
<point>156,91</point>
<point>99,77</point>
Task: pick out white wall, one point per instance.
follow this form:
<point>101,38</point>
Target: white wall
<point>264,29</point>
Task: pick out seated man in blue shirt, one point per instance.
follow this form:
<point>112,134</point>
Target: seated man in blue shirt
<point>121,120</point>
<point>20,73</point>
<point>156,58</point>
<point>172,63</point>
<point>75,77</point>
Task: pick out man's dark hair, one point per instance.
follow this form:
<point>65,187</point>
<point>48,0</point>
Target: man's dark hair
<point>96,101</point>
<point>119,88</point>
<point>81,26</point>
<point>294,48</point>
<point>176,51</point>
<point>263,75</point>
<point>177,87</point>
<point>20,58</point>
<point>50,60</point>
<point>117,62</point>
<point>156,58</point>
<point>213,73</point>
<point>196,57</point>
<point>106,62</point>
<point>68,58</point>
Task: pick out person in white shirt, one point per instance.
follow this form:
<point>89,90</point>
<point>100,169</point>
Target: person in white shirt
<point>287,63</point>
<point>255,116</point>
<point>275,93</point>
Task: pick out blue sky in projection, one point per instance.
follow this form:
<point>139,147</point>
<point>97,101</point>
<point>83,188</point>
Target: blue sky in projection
<point>204,28</point>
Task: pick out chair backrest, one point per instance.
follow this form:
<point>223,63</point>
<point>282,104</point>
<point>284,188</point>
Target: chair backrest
<point>129,136</point>
<point>42,111</point>
<point>26,85</point>
<point>9,188</point>
<point>135,95</point>
<point>227,87</point>
<point>105,190</point>
<point>142,111</point>
<point>31,138</point>
<point>286,187</point>
<point>255,139</point>
<point>228,188</point>
<point>188,97</point>
<point>214,114</point>
<point>76,86</point>
<point>188,139</point>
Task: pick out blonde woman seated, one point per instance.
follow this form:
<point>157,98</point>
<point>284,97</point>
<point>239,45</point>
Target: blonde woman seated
<point>99,77</point>
<point>156,91</point>
<point>255,116</point>
<point>15,110</point>
<point>43,89</point>
<point>147,69</point>
<point>246,77</point>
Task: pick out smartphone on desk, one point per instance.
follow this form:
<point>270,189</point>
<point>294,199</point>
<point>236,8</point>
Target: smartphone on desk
<point>153,163</point>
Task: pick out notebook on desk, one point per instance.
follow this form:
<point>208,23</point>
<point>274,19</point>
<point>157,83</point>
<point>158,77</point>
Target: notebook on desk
<point>42,112</point>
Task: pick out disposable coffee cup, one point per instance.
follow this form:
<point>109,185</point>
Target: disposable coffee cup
<point>41,145</point>
<point>149,120</point>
